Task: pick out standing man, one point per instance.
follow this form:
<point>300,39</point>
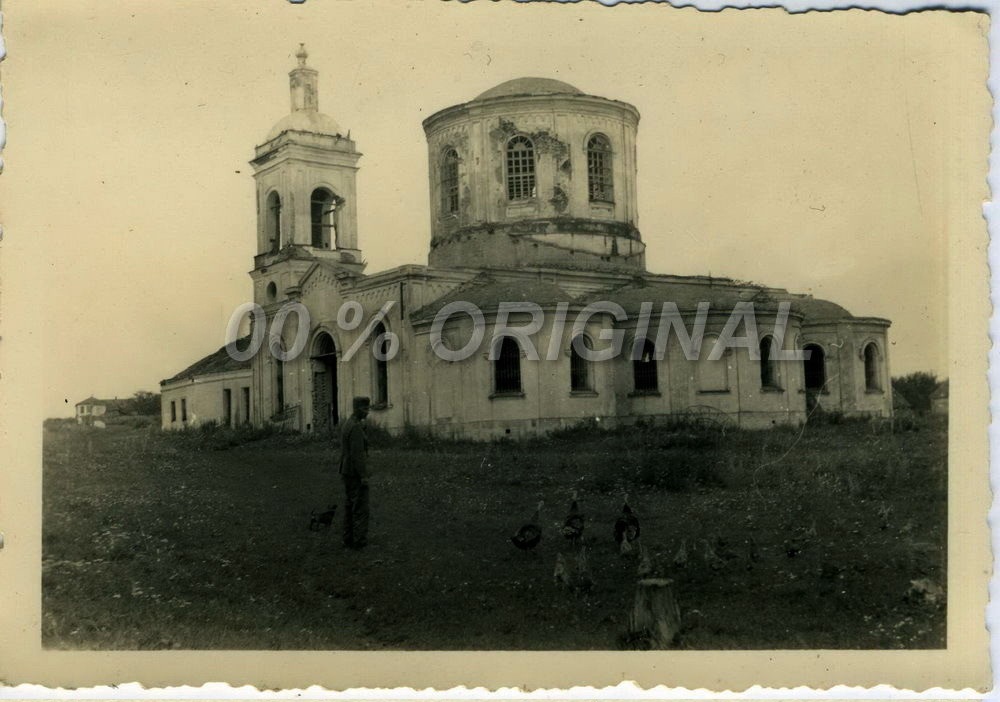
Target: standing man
<point>354,472</point>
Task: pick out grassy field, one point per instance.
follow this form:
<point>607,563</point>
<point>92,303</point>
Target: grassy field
<point>200,540</point>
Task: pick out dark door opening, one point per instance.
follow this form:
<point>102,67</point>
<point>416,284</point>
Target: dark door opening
<point>326,413</point>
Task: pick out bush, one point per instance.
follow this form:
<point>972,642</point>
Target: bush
<point>59,423</point>
<point>210,435</point>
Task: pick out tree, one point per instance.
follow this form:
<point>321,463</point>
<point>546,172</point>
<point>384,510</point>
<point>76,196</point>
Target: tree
<point>916,388</point>
<point>143,402</point>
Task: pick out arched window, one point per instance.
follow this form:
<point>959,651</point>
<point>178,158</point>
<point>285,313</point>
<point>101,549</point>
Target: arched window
<point>644,372</point>
<point>449,182</point>
<point>323,218</point>
<point>272,221</point>
<point>380,391</point>
<point>580,375</point>
<point>815,367</point>
<point>768,364</point>
<point>599,176</point>
<point>713,376</point>
<point>520,168</point>
<point>507,367</point>
<point>277,349</point>
<point>873,377</point>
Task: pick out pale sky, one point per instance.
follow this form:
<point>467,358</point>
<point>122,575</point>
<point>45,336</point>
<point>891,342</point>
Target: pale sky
<point>824,153</point>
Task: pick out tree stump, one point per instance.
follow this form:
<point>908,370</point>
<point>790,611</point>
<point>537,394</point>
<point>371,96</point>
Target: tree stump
<point>655,619</point>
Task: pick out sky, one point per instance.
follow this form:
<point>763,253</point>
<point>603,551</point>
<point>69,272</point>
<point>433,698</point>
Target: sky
<point>827,153</point>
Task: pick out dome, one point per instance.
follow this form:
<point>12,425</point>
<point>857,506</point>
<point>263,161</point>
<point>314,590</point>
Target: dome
<point>529,86</point>
<point>815,309</point>
<point>305,121</point>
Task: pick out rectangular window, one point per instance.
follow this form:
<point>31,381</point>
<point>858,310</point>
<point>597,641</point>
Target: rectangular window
<point>227,407</point>
<point>449,182</point>
<point>507,368</point>
<point>173,411</point>
<point>184,410</point>
<point>520,169</point>
<point>599,177</point>
<point>246,405</point>
<point>644,370</point>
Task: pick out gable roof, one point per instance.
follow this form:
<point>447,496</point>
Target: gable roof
<point>217,362</point>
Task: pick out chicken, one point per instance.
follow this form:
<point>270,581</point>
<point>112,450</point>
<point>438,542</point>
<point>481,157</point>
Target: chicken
<point>528,536</point>
<point>626,527</point>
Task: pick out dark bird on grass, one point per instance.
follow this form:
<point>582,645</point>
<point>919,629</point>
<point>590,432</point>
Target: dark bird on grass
<point>318,520</point>
<point>573,526</point>
<point>528,536</point>
<point>626,527</point>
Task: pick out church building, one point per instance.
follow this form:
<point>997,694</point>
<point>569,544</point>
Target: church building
<point>532,188</point>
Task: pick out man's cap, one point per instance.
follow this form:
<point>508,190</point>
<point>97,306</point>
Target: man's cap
<point>362,403</point>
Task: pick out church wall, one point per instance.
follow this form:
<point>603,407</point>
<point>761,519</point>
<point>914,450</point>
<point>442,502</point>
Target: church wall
<point>839,370</point>
<point>844,343</point>
<point>876,402</point>
<point>460,400</point>
<point>204,399</point>
<point>487,221</point>
<point>559,129</point>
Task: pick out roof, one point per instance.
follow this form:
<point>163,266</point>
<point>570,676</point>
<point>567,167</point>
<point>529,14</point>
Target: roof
<point>813,308</point>
<point>486,293</point>
<point>305,121</point>
<point>217,362</point>
<point>941,391</point>
<point>529,86</point>
<point>686,296</point>
<point>96,401</point>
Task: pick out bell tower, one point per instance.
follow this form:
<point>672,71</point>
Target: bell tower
<point>305,173</point>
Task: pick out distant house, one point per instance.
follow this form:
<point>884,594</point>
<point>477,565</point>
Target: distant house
<point>939,398</point>
<point>214,389</point>
<point>93,411</point>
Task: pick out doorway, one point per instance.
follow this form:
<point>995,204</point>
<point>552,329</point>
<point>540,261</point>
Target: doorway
<point>326,414</point>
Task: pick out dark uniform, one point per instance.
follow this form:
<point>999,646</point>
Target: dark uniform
<point>354,472</point>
